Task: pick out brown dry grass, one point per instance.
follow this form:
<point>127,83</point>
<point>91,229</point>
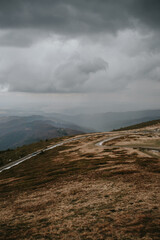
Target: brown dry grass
<point>82,191</point>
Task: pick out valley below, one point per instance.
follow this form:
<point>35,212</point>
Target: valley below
<point>93,186</point>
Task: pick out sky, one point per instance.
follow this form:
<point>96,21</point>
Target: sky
<point>79,55</point>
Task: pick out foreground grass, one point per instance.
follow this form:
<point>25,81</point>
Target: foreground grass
<point>81,192</point>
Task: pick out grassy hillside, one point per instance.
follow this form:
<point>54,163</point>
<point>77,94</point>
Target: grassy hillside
<point>84,191</point>
<point>140,125</point>
<point>11,155</point>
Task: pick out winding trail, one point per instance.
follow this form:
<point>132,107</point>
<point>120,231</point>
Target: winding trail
<point>29,156</point>
<point>140,148</point>
<point>107,140</point>
<point>10,165</point>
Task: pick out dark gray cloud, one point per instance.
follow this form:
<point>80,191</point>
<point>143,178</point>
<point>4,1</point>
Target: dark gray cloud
<point>70,16</point>
<point>147,12</point>
<point>25,22</point>
<point>79,17</point>
<point>16,38</point>
<point>73,75</point>
<point>107,47</point>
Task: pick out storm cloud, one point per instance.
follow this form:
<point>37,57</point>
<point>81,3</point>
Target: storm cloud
<point>74,16</point>
<point>78,47</point>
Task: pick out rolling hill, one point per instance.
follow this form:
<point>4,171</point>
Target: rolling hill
<point>17,131</point>
<point>97,186</point>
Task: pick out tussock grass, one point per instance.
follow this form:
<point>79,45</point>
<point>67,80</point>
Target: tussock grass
<point>82,193</point>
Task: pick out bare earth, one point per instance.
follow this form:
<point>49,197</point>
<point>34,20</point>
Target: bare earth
<point>82,191</point>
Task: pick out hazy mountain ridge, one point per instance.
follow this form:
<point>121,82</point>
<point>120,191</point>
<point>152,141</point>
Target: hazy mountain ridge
<point>17,131</point>
<point>113,120</point>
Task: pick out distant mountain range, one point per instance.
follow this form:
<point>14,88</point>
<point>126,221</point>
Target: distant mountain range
<point>110,120</point>
<point>18,130</point>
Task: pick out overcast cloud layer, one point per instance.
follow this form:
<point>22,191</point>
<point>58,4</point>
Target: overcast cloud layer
<point>107,48</point>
